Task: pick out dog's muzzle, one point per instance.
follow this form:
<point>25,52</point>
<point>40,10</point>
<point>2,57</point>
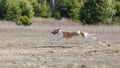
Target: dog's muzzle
<point>53,33</point>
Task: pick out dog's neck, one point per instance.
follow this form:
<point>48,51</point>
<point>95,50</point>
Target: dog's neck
<point>60,31</point>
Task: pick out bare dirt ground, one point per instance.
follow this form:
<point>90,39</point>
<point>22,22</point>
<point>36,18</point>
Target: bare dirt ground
<point>30,46</point>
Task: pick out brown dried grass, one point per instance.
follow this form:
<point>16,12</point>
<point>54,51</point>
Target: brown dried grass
<point>30,46</point>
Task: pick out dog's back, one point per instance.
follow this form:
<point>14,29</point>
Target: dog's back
<point>69,34</point>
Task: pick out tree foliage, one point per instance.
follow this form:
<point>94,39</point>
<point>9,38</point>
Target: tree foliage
<point>87,11</point>
<point>26,8</point>
<point>95,11</point>
<point>14,9</point>
<point>117,7</point>
<point>68,8</point>
<point>25,20</point>
<point>57,15</point>
<point>45,10</point>
<point>36,7</point>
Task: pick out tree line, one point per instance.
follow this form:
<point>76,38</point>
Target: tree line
<point>85,11</point>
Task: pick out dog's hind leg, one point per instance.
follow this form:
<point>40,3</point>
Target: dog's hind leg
<point>90,36</point>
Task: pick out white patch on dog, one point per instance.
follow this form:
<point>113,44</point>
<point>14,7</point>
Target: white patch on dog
<point>60,31</point>
<point>78,32</point>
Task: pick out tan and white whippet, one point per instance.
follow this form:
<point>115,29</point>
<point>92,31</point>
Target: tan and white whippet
<point>68,34</point>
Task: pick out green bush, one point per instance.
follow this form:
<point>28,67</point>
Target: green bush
<point>46,11</point>
<point>68,8</point>
<point>117,7</point>
<point>36,7</point>
<point>25,20</point>
<point>41,9</point>
<point>57,15</point>
<point>11,9</point>
<point>63,6</point>
<point>26,8</point>
<point>95,11</point>
<point>75,9</point>
<point>2,9</point>
<point>116,18</point>
<point>14,9</point>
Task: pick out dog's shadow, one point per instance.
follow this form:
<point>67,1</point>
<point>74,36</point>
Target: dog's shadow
<point>54,47</point>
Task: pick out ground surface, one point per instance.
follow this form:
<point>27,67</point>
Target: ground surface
<point>30,46</point>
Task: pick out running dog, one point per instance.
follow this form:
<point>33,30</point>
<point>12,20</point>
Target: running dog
<point>68,34</point>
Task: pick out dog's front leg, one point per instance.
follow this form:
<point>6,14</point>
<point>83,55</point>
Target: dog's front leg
<point>60,36</point>
<point>56,39</point>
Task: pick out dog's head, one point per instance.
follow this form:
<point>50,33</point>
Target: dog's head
<point>56,31</point>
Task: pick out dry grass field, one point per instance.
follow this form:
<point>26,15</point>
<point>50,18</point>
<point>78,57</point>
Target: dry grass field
<point>30,46</point>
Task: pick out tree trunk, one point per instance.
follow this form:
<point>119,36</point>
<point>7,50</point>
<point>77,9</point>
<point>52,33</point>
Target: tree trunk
<point>51,2</point>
